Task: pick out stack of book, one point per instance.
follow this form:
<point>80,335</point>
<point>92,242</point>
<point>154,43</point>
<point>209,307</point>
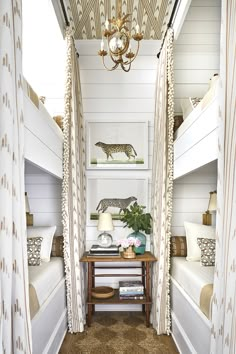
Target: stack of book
<point>131,290</point>
<point>98,251</point>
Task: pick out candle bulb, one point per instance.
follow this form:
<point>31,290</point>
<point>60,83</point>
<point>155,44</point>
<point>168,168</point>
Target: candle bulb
<point>102,44</point>
<point>137,28</point>
<point>107,24</point>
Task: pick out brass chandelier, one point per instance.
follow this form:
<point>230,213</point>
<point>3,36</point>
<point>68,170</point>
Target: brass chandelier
<point>119,42</point>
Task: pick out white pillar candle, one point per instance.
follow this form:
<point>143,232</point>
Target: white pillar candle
<point>102,44</point>
<point>137,28</point>
<point>107,24</point>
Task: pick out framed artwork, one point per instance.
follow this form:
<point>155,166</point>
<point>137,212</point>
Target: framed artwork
<point>117,145</point>
<point>101,193</point>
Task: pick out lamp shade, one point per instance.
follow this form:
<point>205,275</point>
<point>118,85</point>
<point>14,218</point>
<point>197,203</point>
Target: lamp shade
<point>105,222</point>
<point>27,207</point>
<point>212,201</point>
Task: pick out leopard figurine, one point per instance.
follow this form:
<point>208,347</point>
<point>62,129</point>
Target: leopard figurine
<point>110,149</point>
<point>115,202</point>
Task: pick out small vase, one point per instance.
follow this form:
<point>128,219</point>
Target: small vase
<point>129,252</point>
<point>142,238</point>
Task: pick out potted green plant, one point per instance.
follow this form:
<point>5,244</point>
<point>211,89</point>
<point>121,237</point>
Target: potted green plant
<point>135,218</point>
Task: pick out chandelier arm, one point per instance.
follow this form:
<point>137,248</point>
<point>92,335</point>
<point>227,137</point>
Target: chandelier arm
<point>124,68</point>
<point>113,68</point>
<point>137,50</point>
<point>114,61</point>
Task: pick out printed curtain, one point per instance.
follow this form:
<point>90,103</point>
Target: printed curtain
<point>73,191</point>
<point>162,186</point>
<point>223,334</point>
<point>15,325</point>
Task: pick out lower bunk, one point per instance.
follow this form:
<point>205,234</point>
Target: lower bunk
<point>191,293</point>
<point>48,306</point>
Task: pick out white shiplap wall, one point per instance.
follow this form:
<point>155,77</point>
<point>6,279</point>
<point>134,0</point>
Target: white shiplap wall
<point>44,194</point>
<point>191,197</point>
<point>118,96</point>
<point>196,51</point>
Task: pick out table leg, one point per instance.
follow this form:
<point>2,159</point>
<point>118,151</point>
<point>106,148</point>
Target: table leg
<point>143,282</point>
<point>93,284</point>
<point>147,264</point>
<point>90,272</point>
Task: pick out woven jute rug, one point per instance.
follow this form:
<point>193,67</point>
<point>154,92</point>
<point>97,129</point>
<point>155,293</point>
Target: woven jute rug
<point>118,332</point>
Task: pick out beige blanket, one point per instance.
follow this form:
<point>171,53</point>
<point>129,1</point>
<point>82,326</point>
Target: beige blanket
<point>205,299</point>
<point>33,301</point>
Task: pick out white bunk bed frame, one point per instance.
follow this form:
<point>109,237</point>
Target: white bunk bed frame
<point>43,138</point>
<point>43,148</point>
<point>194,147</point>
<point>196,141</point>
<point>190,327</point>
<point>49,325</point>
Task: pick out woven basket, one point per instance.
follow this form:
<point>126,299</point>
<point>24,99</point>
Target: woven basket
<point>102,292</point>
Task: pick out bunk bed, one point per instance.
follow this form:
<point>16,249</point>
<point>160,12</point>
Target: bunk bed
<point>47,291</point>
<point>43,137</point>
<point>196,139</point>
<point>195,145</point>
<point>191,296</point>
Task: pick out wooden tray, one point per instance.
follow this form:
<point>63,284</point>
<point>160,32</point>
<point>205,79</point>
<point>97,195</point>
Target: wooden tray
<point>102,292</point>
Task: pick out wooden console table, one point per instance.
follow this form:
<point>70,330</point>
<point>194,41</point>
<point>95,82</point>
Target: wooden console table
<point>146,259</point>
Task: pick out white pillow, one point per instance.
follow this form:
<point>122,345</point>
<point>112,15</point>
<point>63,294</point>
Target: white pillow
<point>47,233</point>
<point>193,232</point>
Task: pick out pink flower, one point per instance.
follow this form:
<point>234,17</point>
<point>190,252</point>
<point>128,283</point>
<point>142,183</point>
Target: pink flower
<point>126,242</point>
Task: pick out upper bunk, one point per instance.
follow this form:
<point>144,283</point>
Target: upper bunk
<point>196,140</point>
<point>43,137</point>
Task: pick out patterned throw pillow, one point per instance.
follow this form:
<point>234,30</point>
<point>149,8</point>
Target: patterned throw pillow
<point>178,246</point>
<point>57,246</point>
<point>33,250</point>
<point>208,249</point>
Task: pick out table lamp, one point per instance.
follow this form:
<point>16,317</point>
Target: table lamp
<point>206,217</point>
<point>29,217</point>
<point>105,224</point>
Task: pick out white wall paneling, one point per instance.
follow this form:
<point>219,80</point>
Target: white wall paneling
<point>107,91</point>
<point>117,77</point>
<point>120,105</point>
<point>191,196</point>
<point>44,194</point>
<point>196,51</point>
<point>119,96</point>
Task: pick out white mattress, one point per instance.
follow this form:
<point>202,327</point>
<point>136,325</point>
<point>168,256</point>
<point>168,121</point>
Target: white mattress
<point>191,276</point>
<point>44,278</point>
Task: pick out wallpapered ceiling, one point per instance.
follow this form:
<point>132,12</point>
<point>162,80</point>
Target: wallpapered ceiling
<point>87,17</point>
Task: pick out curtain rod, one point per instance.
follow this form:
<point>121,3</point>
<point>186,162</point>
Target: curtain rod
<point>66,18</point>
<point>168,26</point>
<point>64,13</point>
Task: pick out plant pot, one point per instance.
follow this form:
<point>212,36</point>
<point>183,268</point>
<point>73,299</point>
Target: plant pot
<point>129,252</point>
<point>139,235</point>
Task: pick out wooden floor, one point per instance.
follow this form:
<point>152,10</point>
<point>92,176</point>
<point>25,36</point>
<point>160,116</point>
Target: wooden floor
<point>118,333</point>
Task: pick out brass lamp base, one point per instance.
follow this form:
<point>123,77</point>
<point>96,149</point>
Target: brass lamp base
<point>29,219</point>
<point>206,218</point>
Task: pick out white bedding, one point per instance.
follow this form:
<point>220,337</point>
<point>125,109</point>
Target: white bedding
<point>191,276</point>
<point>44,278</point>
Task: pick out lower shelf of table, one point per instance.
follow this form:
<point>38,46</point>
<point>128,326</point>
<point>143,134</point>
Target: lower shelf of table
<point>115,299</point>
